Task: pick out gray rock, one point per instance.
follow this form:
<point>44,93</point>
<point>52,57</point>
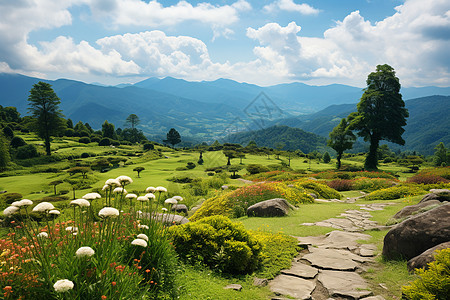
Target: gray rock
<point>224,187</point>
<point>260,281</point>
<point>171,219</point>
<point>313,195</point>
<point>419,233</point>
<point>233,286</point>
<point>437,194</point>
<point>422,260</point>
<point>344,284</point>
<point>2,192</point>
<point>301,270</point>
<point>269,208</point>
<point>335,240</point>
<point>180,208</point>
<point>292,286</point>
<point>330,259</point>
<point>409,210</point>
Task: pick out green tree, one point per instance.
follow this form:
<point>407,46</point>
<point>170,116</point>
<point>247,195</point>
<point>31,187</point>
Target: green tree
<point>54,184</point>
<point>44,107</point>
<point>132,120</point>
<point>326,157</point>
<point>4,153</point>
<point>108,130</point>
<point>341,139</point>
<point>138,170</point>
<point>69,123</point>
<point>440,155</point>
<point>173,137</point>
<point>381,112</point>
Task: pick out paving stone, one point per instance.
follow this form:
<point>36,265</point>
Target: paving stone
<point>301,270</point>
<point>344,284</point>
<point>367,250</point>
<point>344,240</point>
<point>292,286</point>
<point>374,298</point>
<point>234,286</point>
<point>330,259</point>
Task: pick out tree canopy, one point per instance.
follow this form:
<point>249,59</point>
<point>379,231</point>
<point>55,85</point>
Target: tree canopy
<point>173,137</point>
<point>341,139</point>
<point>132,120</point>
<point>44,107</point>
<point>381,112</point>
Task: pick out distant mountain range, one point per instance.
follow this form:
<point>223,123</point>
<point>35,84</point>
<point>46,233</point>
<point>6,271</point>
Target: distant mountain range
<point>209,110</point>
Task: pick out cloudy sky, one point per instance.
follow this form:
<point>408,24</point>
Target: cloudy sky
<point>264,42</point>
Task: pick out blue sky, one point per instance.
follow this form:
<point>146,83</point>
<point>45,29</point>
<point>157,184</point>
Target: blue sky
<point>263,42</point>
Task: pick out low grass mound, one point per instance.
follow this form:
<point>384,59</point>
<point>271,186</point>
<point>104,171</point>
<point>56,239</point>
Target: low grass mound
<point>235,203</point>
<point>433,283</point>
<point>320,190</point>
<point>396,192</point>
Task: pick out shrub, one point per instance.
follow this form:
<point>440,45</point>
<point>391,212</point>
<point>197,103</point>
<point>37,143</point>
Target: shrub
<point>218,243</point>
<point>11,197</point>
<point>95,139</point>
<point>275,176</point>
<point>433,283</point>
<point>371,184</point>
<point>341,184</point>
<point>54,198</point>
<point>27,151</point>
<point>84,140</point>
<point>104,142</point>
<point>427,179</point>
<point>149,146</point>
<point>84,155</point>
<point>255,168</point>
<point>17,142</point>
<point>181,169</point>
<point>321,190</point>
<point>190,165</point>
<point>181,179</point>
<point>395,192</point>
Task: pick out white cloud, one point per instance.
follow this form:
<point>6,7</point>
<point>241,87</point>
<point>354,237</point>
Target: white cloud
<point>290,5</point>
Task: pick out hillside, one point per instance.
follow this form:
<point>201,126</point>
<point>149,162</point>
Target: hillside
<point>291,138</point>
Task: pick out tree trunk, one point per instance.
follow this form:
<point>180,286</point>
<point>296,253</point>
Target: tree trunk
<point>229,161</point>
<point>372,159</point>
<point>339,156</point>
<point>47,146</point>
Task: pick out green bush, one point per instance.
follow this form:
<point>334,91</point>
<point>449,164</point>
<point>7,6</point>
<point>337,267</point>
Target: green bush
<point>27,151</point>
<point>371,184</point>
<point>17,142</point>
<point>190,165</point>
<point>218,243</point>
<point>255,168</point>
<point>395,192</point>
<point>341,184</point>
<point>149,146</point>
<point>84,140</point>
<point>104,142</point>
<point>11,197</point>
<point>321,190</point>
<point>433,283</point>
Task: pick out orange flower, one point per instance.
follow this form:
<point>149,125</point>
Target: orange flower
<point>113,283</point>
<point>103,297</point>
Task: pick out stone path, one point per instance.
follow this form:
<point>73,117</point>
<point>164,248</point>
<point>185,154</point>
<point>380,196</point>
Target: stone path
<point>329,267</point>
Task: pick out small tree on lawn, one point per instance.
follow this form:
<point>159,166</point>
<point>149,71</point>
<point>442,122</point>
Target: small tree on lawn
<point>234,169</point>
<point>139,170</point>
<point>55,183</point>
<point>341,139</point>
<point>173,137</point>
<point>441,157</point>
<point>326,157</point>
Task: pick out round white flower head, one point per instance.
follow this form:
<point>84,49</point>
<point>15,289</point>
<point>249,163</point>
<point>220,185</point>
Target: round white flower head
<point>171,201</point>
<point>80,203</point>
<point>105,187</point>
<point>120,190</point>
<point>23,202</point>
<point>150,189</point>
<point>164,209</point>
<point>150,196</point>
<point>124,179</point>
<point>112,182</point>
<point>106,212</point>
<point>10,210</point>
<point>132,196</point>
<point>142,236</point>
<point>54,212</point>
<point>142,198</point>
<point>142,226</point>
<point>72,229</point>
<point>178,198</point>
<point>63,285</point>
<point>43,206</point>
<point>43,234</point>
<point>84,252</point>
<point>161,189</point>
<point>139,242</point>
<point>92,196</point>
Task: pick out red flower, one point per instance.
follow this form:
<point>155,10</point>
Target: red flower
<point>113,283</point>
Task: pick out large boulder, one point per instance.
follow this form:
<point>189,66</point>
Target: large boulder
<point>277,207</point>
<point>419,233</point>
<point>437,194</point>
<point>422,260</point>
<point>180,208</point>
<point>409,210</point>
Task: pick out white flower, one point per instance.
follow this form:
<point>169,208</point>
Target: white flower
<point>63,285</point>
<point>112,183</point>
<point>150,196</point>
<point>131,196</point>
<point>43,206</point>
<point>84,252</point>
<point>150,189</point>
<point>72,229</point>
<point>80,203</point>
<point>164,209</point>
<point>142,236</point>
<point>139,242</point>
<point>105,187</point>
<point>43,234</point>
<point>124,179</point>
<point>161,189</point>
<point>120,190</point>
<point>142,198</point>
<point>142,226</point>
<point>10,210</point>
<point>108,212</point>
<point>23,202</point>
<point>92,196</point>
<point>178,198</point>
<point>54,212</point>
<point>171,201</point>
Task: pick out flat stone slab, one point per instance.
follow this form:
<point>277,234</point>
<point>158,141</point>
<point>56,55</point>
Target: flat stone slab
<point>367,250</point>
<point>233,286</point>
<point>292,286</point>
<point>335,240</point>
<point>330,259</point>
<point>301,270</point>
<point>344,284</point>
